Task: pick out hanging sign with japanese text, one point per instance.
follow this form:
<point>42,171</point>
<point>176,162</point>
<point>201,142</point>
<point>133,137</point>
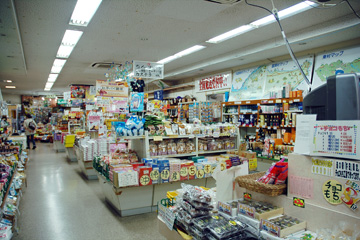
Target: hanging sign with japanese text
<point>336,139</point>
<point>111,89</point>
<point>152,70</point>
<point>213,82</point>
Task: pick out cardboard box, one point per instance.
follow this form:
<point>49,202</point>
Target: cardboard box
<point>247,154</point>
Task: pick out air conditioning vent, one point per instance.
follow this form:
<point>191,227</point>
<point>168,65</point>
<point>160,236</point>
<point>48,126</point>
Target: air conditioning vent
<point>104,65</point>
<point>224,1</point>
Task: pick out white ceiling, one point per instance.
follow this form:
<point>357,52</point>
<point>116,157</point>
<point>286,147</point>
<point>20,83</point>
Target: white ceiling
<point>116,31</point>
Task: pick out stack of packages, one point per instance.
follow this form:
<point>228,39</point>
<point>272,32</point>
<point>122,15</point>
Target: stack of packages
<point>103,146</point>
<point>87,152</point>
<point>69,140</point>
<point>93,147</point>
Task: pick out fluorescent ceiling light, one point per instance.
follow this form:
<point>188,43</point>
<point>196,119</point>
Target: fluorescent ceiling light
<point>8,81</point>
<point>52,77</point>
<point>70,39</point>
<point>10,87</point>
<point>83,12</point>
<point>290,11</point>
<point>182,54</point>
<point>168,59</point>
<point>58,65</point>
<point>49,85</point>
<point>230,34</point>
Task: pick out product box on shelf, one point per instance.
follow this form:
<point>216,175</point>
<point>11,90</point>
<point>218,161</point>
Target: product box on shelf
<point>144,175</point>
<point>164,173</point>
<point>184,171</point>
<point>175,167</point>
<point>155,174</point>
<point>282,226</point>
<point>228,208</point>
<point>136,165</point>
<point>258,210</point>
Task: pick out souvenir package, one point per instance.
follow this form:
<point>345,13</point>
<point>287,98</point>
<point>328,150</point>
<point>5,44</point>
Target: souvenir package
<point>162,148</point>
<point>227,229</point>
<point>258,210</point>
<point>189,146</point>
<point>133,127</point>
<point>181,147</point>
<point>153,148</point>
<point>182,129</point>
<point>175,129</point>
<point>282,226</point>
<point>277,174</point>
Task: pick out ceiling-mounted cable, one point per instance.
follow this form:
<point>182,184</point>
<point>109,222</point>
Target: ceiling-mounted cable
<point>285,39</point>
<point>352,8</point>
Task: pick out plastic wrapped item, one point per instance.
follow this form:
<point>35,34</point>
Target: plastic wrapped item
<point>192,193</point>
<point>189,146</point>
<point>153,148</point>
<point>194,212</point>
<point>227,229</point>
<point>212,146</point>
<point>171,147</point>
<point>162,148</point>
<point>181,147</point>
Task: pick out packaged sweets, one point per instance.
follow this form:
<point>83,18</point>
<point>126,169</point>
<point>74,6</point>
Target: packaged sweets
<point>153,148</point>
<point>162,148</point>
<point>171,147</point>
<point>190,147</point>
<point>181,147</point>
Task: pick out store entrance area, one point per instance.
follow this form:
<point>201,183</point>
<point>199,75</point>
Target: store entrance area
<point>59,203</point>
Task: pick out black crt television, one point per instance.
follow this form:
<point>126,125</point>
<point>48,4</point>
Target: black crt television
<point>337,99</point>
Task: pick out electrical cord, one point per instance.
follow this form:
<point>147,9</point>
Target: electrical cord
<point>286,42</point>
<point>352,8</point>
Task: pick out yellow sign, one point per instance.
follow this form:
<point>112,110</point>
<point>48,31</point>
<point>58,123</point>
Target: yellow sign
<point>192,170</point>
<point>200,173</point>
<point>175,176</point>
<point>144,180</point>
<point>223,166</point>
<point>158,138</point>
<point>207,168</point>
<point>165,174</point>
<point>332,191</point>
<point>253,164</point>
<point>154,175</point>
<point>184,171</point>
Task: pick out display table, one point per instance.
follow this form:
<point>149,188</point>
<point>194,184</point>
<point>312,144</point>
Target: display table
<point>137,200</point>
<point>19,139</point>
<point>70,151</point>
<point>85,166</point>
<point>318,213</point>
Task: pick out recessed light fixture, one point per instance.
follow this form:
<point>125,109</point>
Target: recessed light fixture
<point>287,12</point>
<point>58,65</point>
<point>10,87</point>
<point>8,81</point>
<point>182,53</point>
<point>49,85</point>
<point>83,12</point>
<point>70,39</point>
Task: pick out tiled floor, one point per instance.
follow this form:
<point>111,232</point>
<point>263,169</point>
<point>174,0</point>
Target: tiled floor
<point>59,204</point>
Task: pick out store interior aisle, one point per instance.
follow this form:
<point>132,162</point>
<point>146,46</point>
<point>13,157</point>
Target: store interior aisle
<point>59,203</point>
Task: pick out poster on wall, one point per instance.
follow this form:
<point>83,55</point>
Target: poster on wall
<point>90,95</point>
<point>342,60</point>
<point>322,166</point>
<point>137,102</point>
<point>351,195</point>
<point>111,89</point>
<point>347,170</point>
<point>152,70</point>
<point>257,83</point>
<point>213,82</point>
<point>78,91</point>
<point>336,139</point>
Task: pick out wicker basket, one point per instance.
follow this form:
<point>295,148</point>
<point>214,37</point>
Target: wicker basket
<point>249,182</point>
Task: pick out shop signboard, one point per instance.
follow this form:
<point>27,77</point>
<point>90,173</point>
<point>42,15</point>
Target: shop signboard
<point>111,89</point>
<point>213,82</point>
<point>336,139</point>
<point>144,69</point>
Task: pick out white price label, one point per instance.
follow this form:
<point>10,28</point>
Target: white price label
<point>271,101</point>
<point>296,100</point>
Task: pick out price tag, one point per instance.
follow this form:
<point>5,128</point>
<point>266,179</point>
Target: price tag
<point>296,100</point>
<point>144,180</point>
<point>278,101</point>
<point>284,101</point>
<point>250,125</point>
<point>173,136</point>
<point>175,176</point>
<point>247,196</point>
<point>257,130</point>
<point>207,168</point>
<point>184,171</point>
<point>158,138</point>
<point>275,128</point>
<point>247,101</point>
<point>200,173</point>
<point>238,103</point>
<point>192,170</point>
<point>154,175</point>
<point>223,166</point>
<point>192,136</point>
<point>165,174</point>
<point>290,102</point>
<point>269,128</point>
<point>271,101</point>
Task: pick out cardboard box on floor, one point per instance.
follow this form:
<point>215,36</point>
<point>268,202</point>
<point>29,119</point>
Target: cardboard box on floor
<point>251,156</point>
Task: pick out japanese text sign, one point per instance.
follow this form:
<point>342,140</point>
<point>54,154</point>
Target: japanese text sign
<point>225,208</point>
<point>270,227</point>
<point>351,194</point>
<point>336,139</point>
<point>332,191</point>
<point>111,89</point>
<point>150,70</point>
<point>347,170</point>
<point>246,210</point>
<point>213,82</point>
<point>322,166</point>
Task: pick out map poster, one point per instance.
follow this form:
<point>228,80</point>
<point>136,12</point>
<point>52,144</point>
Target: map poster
<point>257,83</point>
<point>342,60</point>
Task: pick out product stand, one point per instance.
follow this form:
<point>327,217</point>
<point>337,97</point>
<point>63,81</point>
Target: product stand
<point>58,146</point>
<point>318,213</point>
<point>86,167</point>
<point>70,152</point>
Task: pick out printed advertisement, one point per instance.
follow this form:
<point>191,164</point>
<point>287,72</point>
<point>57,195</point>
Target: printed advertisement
<point>78,91</point>
<point>111,89</point>
<point>93,123</point>
<point>151,70</point>
<point>137,102</point>
<point>322,166</point>
<point>347,170</point>
<point>213,82</point>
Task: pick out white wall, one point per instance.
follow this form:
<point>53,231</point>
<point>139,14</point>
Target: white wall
<point>13,98</point>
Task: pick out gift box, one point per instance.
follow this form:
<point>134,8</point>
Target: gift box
<point>144,175</point>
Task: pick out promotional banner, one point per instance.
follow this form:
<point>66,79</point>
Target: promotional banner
<point>78,91</point>
<point>144,69</point>
<point>111,89</point>
<point>137,102</point>
<point>213,82</point>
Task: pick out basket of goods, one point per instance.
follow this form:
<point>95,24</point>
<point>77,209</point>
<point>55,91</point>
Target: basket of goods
<point>271,183</point>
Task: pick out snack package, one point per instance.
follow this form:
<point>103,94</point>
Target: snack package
<point>153,148</point>
<point>181,147</point>
<point>162,148</point>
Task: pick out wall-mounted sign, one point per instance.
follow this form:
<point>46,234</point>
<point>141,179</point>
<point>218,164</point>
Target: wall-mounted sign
<point>213,82</point>
<point>111,89</point>
<point>143,69</point>
<point>332,191</point>
<point>322,166</point>
<point>298,202</point>
<point>347,170</point>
